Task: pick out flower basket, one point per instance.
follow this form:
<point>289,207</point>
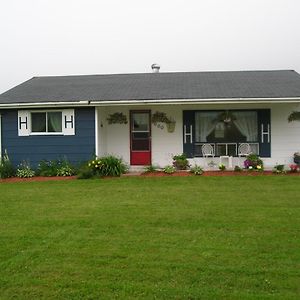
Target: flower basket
<point>297,158</point>
<point>171,126</point>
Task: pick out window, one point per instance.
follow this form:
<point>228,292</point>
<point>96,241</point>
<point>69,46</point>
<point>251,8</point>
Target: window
<point>226,130</point>
<point>220,127</point>
<point>46,122</point>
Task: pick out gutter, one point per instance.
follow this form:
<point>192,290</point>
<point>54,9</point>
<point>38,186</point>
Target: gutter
<point>151,102</point>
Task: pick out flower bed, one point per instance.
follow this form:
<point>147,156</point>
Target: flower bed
<point>37,178</point>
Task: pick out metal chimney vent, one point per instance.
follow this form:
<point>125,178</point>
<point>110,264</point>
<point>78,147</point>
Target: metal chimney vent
<point>155,68</point>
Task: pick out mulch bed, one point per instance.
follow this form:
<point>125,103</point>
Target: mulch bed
<point>217,173</point>
<point>37,178</point>
<point>157,174</point>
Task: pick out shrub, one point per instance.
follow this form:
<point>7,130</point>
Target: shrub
<point>222,167</point>
<point>47,168</point>
<point>66,170</point>
<point>237,169</point>
<point>169,169</point>
<point>6,168</point>
<point>278,169</point>
<point>59,167</point>
<point>24,170</point>
<point>85,172</point>
<point>151,169</point>
<point>180,162</point>
<point>253,162</point>
<point>107,166</point>
<point>197,170</point>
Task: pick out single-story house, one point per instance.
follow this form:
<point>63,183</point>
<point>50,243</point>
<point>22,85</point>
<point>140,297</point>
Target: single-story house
<point>147,118</point>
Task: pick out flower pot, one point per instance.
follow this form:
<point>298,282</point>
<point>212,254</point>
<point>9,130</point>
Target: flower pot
<point>297,160</point>
<point>171,126</point>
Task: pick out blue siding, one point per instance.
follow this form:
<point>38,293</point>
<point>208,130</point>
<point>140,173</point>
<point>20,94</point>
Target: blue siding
<point>76,148</point>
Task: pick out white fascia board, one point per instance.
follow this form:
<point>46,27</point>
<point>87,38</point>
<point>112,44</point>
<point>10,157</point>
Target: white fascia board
<point>45,104</point>
<point>197,101</point>
<point>151,102</point>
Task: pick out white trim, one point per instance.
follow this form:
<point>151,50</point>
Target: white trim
<point>197,101</point>
<point>96,132</point>
<point>46,133</point>
<point>153,102</point>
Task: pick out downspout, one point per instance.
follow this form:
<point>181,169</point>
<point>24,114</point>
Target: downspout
<point>96,132</point>
<point>0,137</point>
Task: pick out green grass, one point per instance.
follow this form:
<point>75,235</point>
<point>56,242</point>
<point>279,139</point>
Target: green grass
<point>151,238</point>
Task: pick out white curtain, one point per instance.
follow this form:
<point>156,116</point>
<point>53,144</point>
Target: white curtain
<point>246,122</point>
<point>205,123</point>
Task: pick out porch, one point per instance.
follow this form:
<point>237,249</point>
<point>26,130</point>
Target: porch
<point>263,126</point>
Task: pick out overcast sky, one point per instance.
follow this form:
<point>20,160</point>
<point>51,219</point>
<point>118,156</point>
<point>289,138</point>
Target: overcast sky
<point>64,37</point>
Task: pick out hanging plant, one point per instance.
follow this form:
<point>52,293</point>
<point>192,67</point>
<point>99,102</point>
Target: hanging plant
<point>226,117</point>
<point>162,118</point>
<point>117,118</point>
<point>294,116</point>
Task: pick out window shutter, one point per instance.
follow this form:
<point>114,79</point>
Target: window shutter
<point>68,122</point>
<point>264,132</point>
<point>188,133</point>
<point>23,122</point>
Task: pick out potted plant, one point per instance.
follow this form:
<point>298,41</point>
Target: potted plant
<point>297,158</point>
<point>180,162</point>
<point>253,162</point>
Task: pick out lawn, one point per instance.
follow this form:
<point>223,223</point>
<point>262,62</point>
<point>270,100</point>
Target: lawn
<point>151,238</point>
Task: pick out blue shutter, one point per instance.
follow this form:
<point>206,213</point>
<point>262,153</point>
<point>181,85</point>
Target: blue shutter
<point>188,132</point>
<point>264,132</point>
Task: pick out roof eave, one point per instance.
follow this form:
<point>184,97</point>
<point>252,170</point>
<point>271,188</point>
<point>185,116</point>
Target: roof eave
<point>150,102</point>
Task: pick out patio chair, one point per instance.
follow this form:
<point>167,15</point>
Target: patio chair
<point>243,151</point>
<point>208,151</point>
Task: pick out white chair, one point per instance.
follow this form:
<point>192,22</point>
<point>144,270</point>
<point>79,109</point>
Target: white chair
<point>243,151</point>
<point>208,151</point>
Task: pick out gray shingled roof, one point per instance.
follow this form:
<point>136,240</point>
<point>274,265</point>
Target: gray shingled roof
<point>151,86</point>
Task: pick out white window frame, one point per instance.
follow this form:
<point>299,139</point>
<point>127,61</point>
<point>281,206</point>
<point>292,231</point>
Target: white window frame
<point>46,132</point>
<point>25,122</point>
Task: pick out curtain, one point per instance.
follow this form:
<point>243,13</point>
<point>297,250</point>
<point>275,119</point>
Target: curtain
<point>205,123</point>
<point>246,122</point>
<point>54,121</point>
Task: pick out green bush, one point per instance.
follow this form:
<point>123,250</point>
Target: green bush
<point>6,168</point>
<point>197,170</point>
<point>24,170</point>
<point>59,167</point>
<point>237,169</point>
<point>180,162</point>
<point>107,166</point>
<point>66,170</point>
<point>222,167</point>
<point>169,169</point>
<point>85,173</point>
<point>279,169</point>
<point>151,169</point>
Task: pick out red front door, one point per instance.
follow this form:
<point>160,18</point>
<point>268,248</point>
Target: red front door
<point>140,138</point>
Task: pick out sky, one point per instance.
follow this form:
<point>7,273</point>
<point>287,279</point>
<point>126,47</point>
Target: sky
<point>71,37</point>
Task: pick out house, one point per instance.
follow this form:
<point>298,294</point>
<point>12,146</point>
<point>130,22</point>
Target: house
<point>146,118</point>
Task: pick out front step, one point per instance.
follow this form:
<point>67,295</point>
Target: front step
<point>137,169</point>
